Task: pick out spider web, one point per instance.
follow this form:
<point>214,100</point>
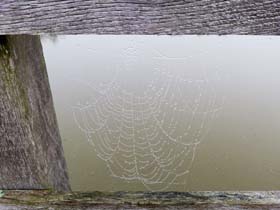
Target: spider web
<point>150,133</point>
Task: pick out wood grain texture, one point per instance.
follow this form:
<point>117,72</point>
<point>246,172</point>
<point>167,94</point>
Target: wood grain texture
<point>31,200</point>
<point>31,154</point>
<point>257,17</point>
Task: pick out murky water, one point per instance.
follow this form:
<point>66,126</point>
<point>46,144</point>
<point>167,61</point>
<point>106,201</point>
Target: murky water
<point>168,113</point>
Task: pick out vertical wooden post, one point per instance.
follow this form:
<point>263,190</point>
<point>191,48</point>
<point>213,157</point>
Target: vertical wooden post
<point>31,154</point>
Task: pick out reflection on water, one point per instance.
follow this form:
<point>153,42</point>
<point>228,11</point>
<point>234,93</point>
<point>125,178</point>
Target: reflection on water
<point>167,113</point>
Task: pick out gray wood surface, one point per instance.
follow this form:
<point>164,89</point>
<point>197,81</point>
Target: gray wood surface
<point>140,17</point>
<point>31,154</point>
<point>31,200</point>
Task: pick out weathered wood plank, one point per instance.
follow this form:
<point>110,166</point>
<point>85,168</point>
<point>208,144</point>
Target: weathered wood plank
<point>31,200</point>
<point>31,154</point>
<point>140,17</point>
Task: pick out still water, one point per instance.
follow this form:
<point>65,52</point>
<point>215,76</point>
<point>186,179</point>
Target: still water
<point>168,113</point>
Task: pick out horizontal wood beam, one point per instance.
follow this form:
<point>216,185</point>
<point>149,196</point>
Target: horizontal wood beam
<point>19,200</point>
<point>255,17</point>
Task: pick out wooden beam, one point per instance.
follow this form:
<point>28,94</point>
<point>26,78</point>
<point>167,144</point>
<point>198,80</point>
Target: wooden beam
<point>140,17</point>
<point>31,154</point>
<point>19,200</point>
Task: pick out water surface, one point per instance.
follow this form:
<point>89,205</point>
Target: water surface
<point>168,113</point>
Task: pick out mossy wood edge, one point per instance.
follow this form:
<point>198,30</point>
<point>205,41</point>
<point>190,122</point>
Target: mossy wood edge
<point>31,153</point>
<point>19,200</point>
<point>140,17</point>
